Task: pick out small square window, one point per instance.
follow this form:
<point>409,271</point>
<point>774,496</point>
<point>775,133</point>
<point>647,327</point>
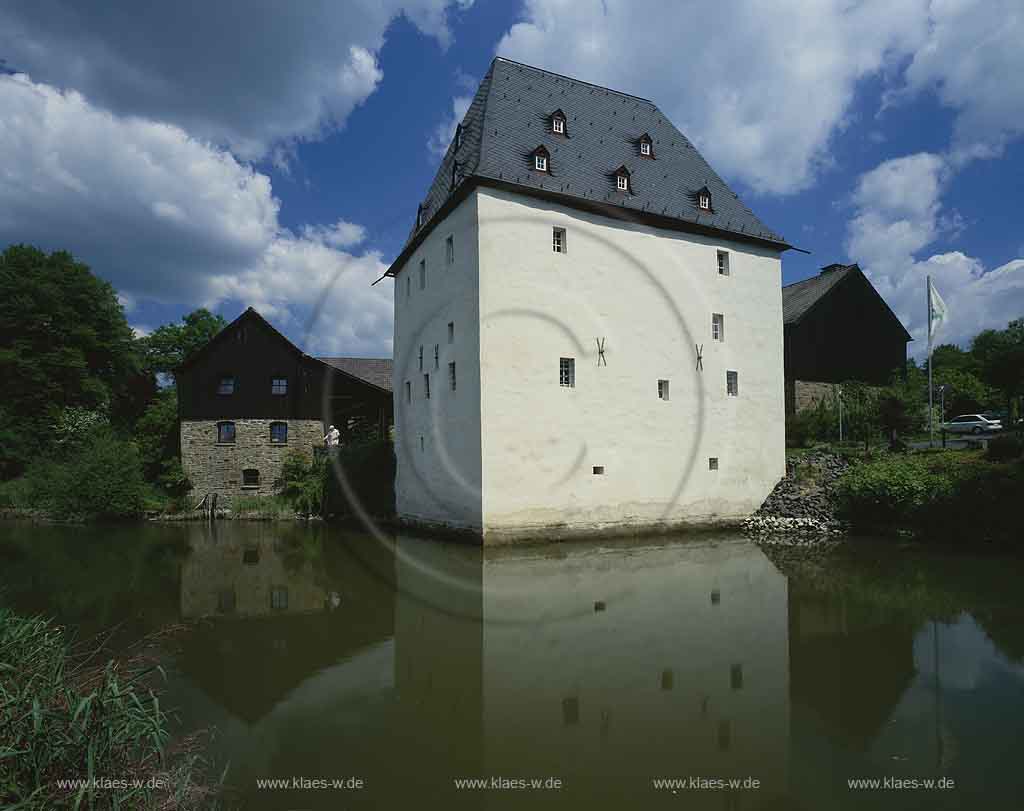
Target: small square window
<point>279,385</point>
<point>723,263</point>
<point>423,274</point>
<point>451,332</point>
<point>250,477</point>
<point>449,250</point>
<point>598,470</point>
<point>717,327</point>
<point>451,375</point>
<point>426,386</point>
<point>662,389</point>
<point>558,125</point>
<point>645,148</point>
<point>558,240</point>
<point>732,384</point>
<point>622,183</point>
<point>713,463</point>
<point>540,163</point>
<point>225,433</point>
<point>278,433</point>
<point>226,385</point>
<point>408,391</point>
<point>567,372</point>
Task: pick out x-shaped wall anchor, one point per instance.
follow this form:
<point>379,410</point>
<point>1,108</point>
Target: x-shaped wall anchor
<point>601,359</point>
<point>700,357</point>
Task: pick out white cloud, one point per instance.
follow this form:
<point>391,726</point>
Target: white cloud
<point>248,77</point>
<point>166,217</point>
<point>973,59</point>
<point>898,214</point>
<point>760,87</point>
<point>445,131</point>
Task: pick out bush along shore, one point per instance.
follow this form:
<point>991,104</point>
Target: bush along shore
<point>801,510</point>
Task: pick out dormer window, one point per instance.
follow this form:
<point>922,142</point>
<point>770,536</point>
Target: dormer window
<point>704,199</point>
<point>558,122</point>
<point>646,146</point>
<point>541,160</point>
<point>622,180</point>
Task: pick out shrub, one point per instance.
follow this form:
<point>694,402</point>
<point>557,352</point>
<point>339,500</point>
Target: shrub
<point>886,493</point>
<point>1004,448</point>
<point>100,479</point>
<point>304,481</point>
<point>369,470</point>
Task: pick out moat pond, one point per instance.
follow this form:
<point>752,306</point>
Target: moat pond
<point>318,653</point>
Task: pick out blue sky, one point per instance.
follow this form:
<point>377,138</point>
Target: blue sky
<point>274,155</point>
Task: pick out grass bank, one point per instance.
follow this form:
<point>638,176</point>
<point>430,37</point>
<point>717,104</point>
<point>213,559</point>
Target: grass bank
<point>961,497</point>
<point>78,731</point>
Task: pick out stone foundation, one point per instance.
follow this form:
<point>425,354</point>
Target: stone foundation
<point>213,467</point>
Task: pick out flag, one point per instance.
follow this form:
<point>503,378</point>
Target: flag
<point>937,310</point>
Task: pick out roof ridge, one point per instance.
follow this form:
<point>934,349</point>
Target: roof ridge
<point>571,78</point>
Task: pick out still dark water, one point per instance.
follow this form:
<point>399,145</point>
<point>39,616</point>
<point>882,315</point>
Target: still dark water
<point>321,654</point>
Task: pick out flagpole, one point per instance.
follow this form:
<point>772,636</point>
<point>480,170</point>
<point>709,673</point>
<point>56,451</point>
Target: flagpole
<point>931,427</point>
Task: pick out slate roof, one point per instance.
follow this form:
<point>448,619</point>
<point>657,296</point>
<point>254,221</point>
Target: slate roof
<point>509,118</point>
<point>375,371</point>
<point>798,298</point>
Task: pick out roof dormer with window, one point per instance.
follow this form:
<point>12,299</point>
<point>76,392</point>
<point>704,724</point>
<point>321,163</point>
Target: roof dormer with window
<point>623,181</point>
<point>702,199</point>
<point>540,159</point>
<point>558,122</point>
<point>645,145</point>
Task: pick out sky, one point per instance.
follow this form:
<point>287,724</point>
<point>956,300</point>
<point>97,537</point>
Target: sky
<point>266,154</point>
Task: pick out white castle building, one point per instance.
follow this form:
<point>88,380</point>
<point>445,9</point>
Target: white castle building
<point>588,324</point>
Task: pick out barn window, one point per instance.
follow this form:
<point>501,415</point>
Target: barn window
<point>279,433</point>
<point>225,433</point>
<point>279,598</point>
<point>662,389</point>
<point>732,384</point>
<point>226,385</point>
<point>250,477</point>
<point>279,385</point>
<point>717,327</point>
<point>723,263</point>
<point>567,372</point>
<point>558,240</point>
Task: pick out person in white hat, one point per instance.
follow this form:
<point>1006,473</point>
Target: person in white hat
<point>333,435</point>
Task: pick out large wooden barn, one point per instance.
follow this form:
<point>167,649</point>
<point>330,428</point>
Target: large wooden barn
<point>837,327</point>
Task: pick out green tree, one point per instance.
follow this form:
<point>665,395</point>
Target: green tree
<point>1000,355</point>
<point>64,343</point>
<point>166,347</point>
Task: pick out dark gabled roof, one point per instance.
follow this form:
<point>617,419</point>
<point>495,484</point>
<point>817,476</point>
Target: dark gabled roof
<point>375,371</point>
<point>800,298</point>
<point>509,116</point>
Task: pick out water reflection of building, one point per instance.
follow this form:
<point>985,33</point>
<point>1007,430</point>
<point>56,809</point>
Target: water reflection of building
<point>604,666</point>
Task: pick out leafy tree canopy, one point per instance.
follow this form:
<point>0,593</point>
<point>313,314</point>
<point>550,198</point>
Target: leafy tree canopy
<point>166,347</point>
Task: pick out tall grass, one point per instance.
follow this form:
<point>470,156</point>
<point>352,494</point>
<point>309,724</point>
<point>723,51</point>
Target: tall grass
<point>66,717</point>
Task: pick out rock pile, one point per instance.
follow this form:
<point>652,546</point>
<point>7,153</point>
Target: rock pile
<point>801,508</point>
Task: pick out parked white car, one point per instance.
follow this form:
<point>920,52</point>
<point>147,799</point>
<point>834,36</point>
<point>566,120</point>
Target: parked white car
<point>972,424</point>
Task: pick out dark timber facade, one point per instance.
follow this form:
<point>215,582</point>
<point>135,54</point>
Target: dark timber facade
<point>250,396</point>
<point>837,327</point>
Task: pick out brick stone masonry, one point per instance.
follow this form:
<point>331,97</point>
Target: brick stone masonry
<point>214,467</point>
